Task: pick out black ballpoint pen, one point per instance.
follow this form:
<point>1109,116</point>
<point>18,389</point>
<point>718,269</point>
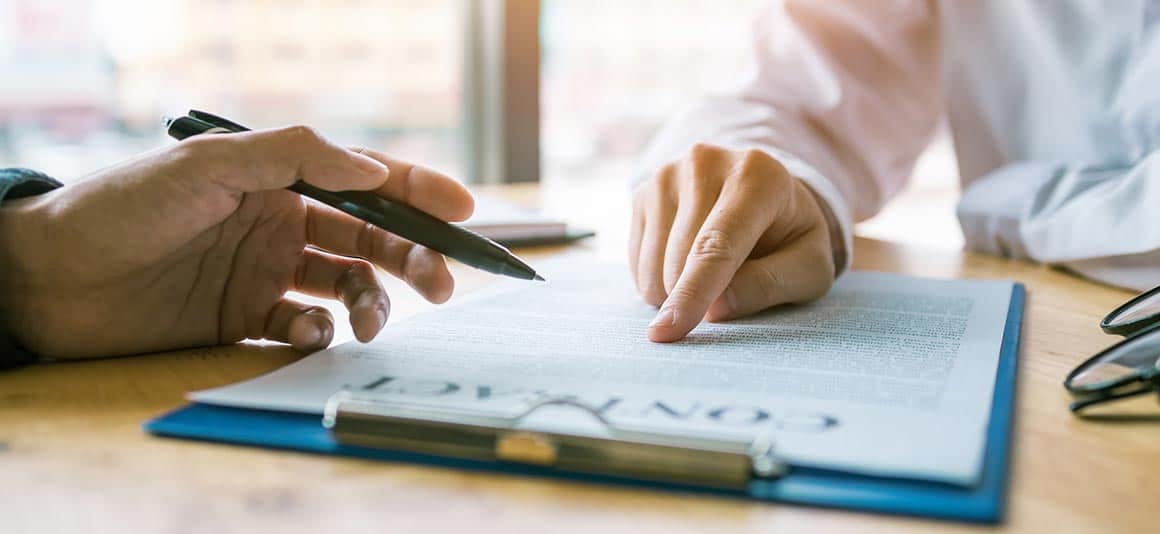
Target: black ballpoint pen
<point>400,219</point>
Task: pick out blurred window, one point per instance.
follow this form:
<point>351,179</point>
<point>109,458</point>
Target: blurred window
<point>613,70</point>
<point>87,82</point>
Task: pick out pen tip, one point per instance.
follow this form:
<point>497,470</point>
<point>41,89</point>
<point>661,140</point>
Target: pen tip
<point>539,278</point>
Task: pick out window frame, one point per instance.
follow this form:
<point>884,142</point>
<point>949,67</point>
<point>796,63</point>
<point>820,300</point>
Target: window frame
<point>501,91</point>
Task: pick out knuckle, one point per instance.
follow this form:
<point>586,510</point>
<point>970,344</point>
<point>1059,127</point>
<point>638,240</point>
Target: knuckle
<point>414,265</point>
<point>666,179</point>
<point>762,169</point>
<point>653,199</point>
<point>706,185</point>
<point>667,171</point>
<point>659,204</point>
<point>712,246</point>
<point>702,151</point>
<point>755,157</point>
<point>758,160</point>
<point>368,243</point>
<point>654,183</point>
<point>361,271</point>
<point>703,157</point>
<point>201,153</point>
<point>193,146</point>
<point>302,134</point>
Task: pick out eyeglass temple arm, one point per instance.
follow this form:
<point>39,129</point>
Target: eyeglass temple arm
<point>1079,405</point>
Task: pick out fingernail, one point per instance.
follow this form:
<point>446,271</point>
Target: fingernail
<point>664,318</point>
<point>319,329</point>
<point>314,334</point>
<point>366,300</point>
<point>371,300</point>
<point>326,333</point>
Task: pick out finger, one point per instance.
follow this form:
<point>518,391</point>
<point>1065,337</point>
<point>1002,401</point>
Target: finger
<point>800,272</point>
<point>274,159</point>
<point>430,191</point>
<point>718,250</point>
<point>659,209</point>
<point>697,200</point>
<point>636,231</point>
<point>422,268</point>
<point>350,280</point>
<point>306,328</point>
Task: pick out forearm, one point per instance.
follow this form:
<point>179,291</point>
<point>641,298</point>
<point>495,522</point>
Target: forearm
<point>1139,272</point>
<point>14,184</point>
<point>1098,221</point>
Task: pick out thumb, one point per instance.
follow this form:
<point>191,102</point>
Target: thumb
<point>800,272</point>
<point>274,159</point>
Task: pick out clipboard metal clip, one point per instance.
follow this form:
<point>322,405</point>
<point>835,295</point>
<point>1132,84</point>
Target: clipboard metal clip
<point>371,421</point>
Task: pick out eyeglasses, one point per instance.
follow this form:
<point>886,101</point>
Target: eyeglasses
<point>1128,368</point>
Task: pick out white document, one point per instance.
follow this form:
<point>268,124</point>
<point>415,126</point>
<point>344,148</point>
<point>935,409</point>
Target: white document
<point>887,375</point>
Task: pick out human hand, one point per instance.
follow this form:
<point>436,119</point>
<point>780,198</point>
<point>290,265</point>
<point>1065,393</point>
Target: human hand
<point>725,233</point>
<point>196,244</point>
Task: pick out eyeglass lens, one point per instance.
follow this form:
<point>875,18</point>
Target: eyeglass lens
<point>1145,308</point>
<point>1120,362</point>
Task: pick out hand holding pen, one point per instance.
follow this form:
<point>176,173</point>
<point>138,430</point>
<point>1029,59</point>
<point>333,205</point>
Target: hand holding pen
<point>198,243</point>
<point>390,215</point>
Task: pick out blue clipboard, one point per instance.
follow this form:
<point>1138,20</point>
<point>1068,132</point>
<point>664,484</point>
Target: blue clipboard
<point>983,503</point>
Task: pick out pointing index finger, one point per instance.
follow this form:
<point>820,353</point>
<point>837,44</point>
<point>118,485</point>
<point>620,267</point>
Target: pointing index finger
<point>720,247</point>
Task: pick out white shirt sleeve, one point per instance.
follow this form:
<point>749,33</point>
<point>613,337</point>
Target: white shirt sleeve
<point>1097,221</point>
<point>844,93</point>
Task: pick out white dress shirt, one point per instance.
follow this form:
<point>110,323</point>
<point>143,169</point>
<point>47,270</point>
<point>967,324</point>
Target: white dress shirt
<point>1054,106</point>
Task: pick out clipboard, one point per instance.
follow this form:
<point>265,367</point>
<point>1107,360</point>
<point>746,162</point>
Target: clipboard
<point>362,427</point>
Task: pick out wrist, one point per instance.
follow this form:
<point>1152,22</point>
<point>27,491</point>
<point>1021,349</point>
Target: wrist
<point>834,229</point>
<point>21,235</point>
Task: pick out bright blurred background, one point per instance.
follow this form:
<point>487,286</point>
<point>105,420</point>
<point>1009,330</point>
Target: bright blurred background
<point>87,82</point>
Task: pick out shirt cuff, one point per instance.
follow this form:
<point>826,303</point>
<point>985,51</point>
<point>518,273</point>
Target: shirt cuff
<point>19,183</point>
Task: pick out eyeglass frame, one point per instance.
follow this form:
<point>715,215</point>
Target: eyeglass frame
<point>1133,332</point>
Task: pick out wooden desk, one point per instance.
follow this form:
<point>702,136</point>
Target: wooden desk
<point>73,457</point>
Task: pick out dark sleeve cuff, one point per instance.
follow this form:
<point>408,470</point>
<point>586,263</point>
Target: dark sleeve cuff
<point>18,183</point>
